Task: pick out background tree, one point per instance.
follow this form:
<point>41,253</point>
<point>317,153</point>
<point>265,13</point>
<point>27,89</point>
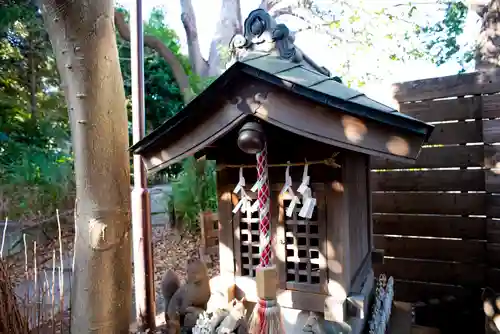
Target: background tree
<point>443,37</point>
<point>35,162</point>
<point>84,43</point>
<point>483,53</point>
<point>162,93</point>
<point>487,53</point>
<point>164,96</point>
<point>355,31</point>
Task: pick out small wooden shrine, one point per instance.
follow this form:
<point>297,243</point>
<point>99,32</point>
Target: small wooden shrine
<point>318,132</point>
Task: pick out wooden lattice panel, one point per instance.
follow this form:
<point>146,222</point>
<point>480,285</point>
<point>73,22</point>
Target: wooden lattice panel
<point>249,241</point>
<point>304,241</point>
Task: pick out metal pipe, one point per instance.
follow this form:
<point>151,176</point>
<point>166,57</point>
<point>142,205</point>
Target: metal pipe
<point>141,210</point>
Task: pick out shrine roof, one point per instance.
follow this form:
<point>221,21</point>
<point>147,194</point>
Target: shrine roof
<point>266,52</point>
<point>320,85</point>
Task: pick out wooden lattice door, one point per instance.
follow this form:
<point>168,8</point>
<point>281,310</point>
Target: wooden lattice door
<point>303,244</point>
<point>300,245</point>
<point>247,247</point>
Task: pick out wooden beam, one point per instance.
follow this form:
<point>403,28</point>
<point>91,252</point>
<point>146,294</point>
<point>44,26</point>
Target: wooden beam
<point>216,125</point>
<point>469,251</point>
<point>246,287</point>
<point>336,128</point>
<point>464,274</point>
<point>476,83</point>
<point>432,226</point>
<point>439,157</point>
<point>430,203</point>
<point>445,110</point>
<point>432,180</point>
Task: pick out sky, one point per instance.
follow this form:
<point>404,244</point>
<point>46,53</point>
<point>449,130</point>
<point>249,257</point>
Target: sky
<point>207,12</point>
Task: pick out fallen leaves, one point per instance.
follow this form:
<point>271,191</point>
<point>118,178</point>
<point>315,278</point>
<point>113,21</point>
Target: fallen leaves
<point>171,250</point>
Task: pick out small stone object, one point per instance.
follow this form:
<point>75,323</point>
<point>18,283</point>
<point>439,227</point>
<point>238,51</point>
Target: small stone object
<point>381,312</point>
<point>224,320</point>
<point>233,320</point>
<point>313,324</point>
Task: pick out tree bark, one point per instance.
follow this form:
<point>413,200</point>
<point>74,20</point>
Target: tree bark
<point>488,44</point>
<point>154,43</point>
<point>228,24</point>
<point>198,63</point>
<point>84,42</point>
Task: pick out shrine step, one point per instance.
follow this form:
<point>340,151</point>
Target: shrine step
<point>401,319</point>
<point>424,330</point>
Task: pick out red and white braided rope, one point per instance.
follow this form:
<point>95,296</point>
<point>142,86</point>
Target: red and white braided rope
<point>264,198</point>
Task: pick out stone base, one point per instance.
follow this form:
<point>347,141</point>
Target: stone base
<point>366,290</point>
<point>295,319</point>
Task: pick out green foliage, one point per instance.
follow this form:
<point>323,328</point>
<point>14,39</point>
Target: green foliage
<point>163,98</point>
<point>35,152</point>
<point>36,166</point>
<point>37,182</point>
<point>193,183</point>
<point>15,10</point>
<point>385,34</point>
<point>364,30</point>
<point>193,191</point>
<point>442,36</point>
<point>36,173</point>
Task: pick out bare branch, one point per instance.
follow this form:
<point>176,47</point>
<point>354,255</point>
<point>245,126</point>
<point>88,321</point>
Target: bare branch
<point>156,44</point>
<point>268,4</point>
<point>309,20</point>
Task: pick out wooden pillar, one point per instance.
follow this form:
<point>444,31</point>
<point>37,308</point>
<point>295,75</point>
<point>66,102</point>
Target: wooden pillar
<point>226,239</point>
<point>337,253</point>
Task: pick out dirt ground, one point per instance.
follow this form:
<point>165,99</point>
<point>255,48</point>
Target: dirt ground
<point>171,251</point>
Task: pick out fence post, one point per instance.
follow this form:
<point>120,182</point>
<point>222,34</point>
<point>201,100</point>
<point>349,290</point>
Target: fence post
<point>209,236</point>
<point>203,241</point>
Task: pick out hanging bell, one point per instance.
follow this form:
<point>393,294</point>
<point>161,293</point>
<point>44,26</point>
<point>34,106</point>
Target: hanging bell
<point>251,138</point>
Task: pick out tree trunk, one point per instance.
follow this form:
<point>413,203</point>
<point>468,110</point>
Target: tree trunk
<point>228,24</point>
<point>84,42</point>
<point>488,44</point>
<point>198,63</point>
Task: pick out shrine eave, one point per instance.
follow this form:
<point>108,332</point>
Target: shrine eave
<point>325,92</point>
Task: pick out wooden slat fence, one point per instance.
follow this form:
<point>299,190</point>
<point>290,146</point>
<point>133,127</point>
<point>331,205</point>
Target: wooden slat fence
<point>437,219</point>
<point>209,226</point>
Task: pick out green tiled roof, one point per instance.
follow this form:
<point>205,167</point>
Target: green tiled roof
<point>302,74</point>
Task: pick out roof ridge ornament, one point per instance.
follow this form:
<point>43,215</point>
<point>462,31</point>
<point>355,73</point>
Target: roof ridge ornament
<point>261,33</point>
